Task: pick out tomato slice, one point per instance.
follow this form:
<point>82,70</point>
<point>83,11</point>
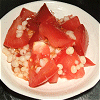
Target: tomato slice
<point>43,14</point>
<point>11,40</point>
<point>71,24</point>
<point>44,74</point>
<point>88,62</point>
<point>56,37</point>
<point>25,13</point>
<point>54,78</point>
<point>68,61</point>
<point>32,25</point>
<point>40,50</point>
<point>36,37</point>
<point>82,40</point>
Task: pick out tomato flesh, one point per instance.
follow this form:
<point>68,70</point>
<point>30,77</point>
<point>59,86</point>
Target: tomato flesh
<point>43,14</point>
<point>11,40</point>
<point>55,36</point>
<point>88,62</point>
<point>68,61</point>
<point>25,13</point>
<point>82,40</point>
<point>45,72</point>
<point>71,24</point>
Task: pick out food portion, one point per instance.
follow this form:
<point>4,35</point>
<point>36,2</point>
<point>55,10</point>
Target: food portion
<point>42,48</point>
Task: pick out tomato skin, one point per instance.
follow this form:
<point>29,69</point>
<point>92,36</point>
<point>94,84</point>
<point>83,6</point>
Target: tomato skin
<point>82,40</point>
<point>88,62</point>
<point>54,78</point>
<point>25,13</point>
<point>36,37</point>
<point>32,25</point>
<point>56,37</point>
<point>42,14</point>
<point>11,40</point>
<point>44,74</point>
<point>71,24</point>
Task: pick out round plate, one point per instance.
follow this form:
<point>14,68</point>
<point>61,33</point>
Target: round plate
<point>64,88</point>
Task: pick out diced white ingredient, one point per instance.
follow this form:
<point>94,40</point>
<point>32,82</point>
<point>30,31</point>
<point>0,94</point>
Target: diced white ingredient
<point>22,52</point>
<point>20,75</point>
<point>60,72</point>
<point>13,57</point>
<point>20,62</point>
<point>19,27</point>
<point>18,35</point>
<point>38,69</point>
<point>71,34</point>
<point>53,56</point>
<point>6,51</point>
<point>81,65</point>
<point>38,46</point>
<point>51,49</point>
<point>24,27</point>
<point>25,74</point>
<point>24,23</point>
<point>26,47</point>
<point>22,58</point>
<point>25,63</point>
<point>16,69</point>
<point>78,67</point>
<point>73,69</point>
<point>15,63</point>
<point>66,18</point>
<point>60,66</point>
<point>70,50</point>
<point>11,50</point>
<point>43,62</point>
<point>82,59</point>
<point>9,58</point>
<point>23,69</point>
<point>28,55</point>
<point>61,20</point>
<point>76,62</point>
<point>19,31</point>
<point>17,58</point>
<point>57,51</point>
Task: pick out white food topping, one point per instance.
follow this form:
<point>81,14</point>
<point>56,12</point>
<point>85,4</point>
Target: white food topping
<point>73,69</point>
<point>82,59</point>
<point>70,50</point>
<point>71,34</point>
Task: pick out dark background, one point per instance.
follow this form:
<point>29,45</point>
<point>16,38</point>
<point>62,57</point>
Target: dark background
<point>90,6</point>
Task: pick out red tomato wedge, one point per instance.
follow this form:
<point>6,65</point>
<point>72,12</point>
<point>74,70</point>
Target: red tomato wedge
<point>79,74</point>
<point>88,62</point>
<point>43,14</point>
<point>32,25</point>
<point>68,61</point>
<point>71,24</point>
<point>40,50</point>
<point>56,37</point>
<point>25,13</point>
<point>82,40</point>
<point>54,78</point>
<point>11,40</point>
<point>36,37</point>
<point>44,74</point>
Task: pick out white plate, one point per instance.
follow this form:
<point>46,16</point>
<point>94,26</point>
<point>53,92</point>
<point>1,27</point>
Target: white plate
<point>63,89</point>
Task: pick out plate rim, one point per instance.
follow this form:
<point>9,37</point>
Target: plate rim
<point>92,85</point>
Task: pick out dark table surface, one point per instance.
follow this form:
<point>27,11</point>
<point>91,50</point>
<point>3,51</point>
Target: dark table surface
<point>91,7</point>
